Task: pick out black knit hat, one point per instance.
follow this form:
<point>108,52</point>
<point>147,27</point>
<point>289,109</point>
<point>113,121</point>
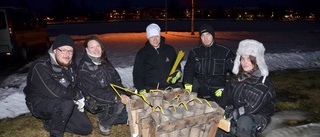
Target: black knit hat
<point>61,40</point>
<point>206,28</point>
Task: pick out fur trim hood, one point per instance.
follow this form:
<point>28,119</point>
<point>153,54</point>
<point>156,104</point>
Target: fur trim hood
<point>253,48</point>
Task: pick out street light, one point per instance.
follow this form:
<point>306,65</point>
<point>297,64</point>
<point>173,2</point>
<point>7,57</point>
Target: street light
<point>192,17</point>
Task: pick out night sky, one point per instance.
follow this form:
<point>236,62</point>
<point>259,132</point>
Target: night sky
<point>105,4</point>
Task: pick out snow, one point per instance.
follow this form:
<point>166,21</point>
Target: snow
<point>284,50</point>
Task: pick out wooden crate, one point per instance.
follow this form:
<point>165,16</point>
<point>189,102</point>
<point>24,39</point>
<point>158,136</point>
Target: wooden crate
<point>144,120</point>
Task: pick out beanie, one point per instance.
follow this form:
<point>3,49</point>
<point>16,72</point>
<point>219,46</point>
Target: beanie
<point>206,28</point>
<point>61,40</point>
<point>253,48</point>
<point>153,30</point>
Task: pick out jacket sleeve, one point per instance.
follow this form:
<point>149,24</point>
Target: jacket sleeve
<point>188,72</point>
<point>115,79</point>
<point>230,61</point>
<point>48,86</point>
<point>138,72</point>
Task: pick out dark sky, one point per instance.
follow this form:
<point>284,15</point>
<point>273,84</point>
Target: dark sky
<point>104,4</point>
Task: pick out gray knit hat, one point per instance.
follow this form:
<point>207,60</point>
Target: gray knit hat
<point>253,48</point>
<point>61,40</point>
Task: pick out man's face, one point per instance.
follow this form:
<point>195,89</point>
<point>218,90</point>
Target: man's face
<point>206,39</point>
<point>63,55</point>
<point>154,41</point>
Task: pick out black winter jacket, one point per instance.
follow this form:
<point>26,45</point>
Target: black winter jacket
<point>152,66</point>
<point>95,80</point>
<point>256,97</point>
<point>209,65</point>
<point>46,79</point>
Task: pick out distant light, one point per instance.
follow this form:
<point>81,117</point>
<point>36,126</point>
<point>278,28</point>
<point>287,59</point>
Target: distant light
<point>8,54</point>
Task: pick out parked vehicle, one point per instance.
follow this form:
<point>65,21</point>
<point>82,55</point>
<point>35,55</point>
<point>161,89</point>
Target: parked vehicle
<point>21,33</point>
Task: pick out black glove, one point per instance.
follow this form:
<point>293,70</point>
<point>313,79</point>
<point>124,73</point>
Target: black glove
<point>236,113</point>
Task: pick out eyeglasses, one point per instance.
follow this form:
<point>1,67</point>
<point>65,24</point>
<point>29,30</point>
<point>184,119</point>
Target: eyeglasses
<point>65,51</point>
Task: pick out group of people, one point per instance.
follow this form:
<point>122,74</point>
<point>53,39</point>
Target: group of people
<point>59,90</point>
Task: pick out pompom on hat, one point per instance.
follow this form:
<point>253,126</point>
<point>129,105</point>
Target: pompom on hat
<point>61,40</point>
<point>253,48</point>
<point>206,28</point>
<point>153,30</point>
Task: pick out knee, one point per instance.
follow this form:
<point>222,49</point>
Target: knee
<point>245,126</point>
<point>245,122</point>
<point>64,106</point>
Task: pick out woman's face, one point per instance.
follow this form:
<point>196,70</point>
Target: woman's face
<point>94,48</point>
<point>246,63</point>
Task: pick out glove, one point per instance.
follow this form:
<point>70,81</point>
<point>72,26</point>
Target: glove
<point>175,76</point>
<point>142,91</point>
<point>188,87</point>
<point>236,113</point>
<point>80,104</point>
<point>218,92</point>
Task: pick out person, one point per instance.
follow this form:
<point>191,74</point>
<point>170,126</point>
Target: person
<point>95,74</point>
<point>205,71</point>
<point>249,98</point>
<point>51,94</point>
<point>154,62</point>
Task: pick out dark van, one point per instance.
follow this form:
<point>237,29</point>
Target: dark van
<point>21,33</point>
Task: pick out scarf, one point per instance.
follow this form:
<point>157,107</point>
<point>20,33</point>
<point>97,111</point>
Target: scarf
<point>245,74</point>
<point>96,60</point>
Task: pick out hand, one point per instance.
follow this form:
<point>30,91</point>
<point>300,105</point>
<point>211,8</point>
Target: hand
<point>218,92</point>
<point>236,113</point>
<point>142,91</point>
<point>188,87</point>
<point>175,76</point>
<point>80,104</point>
<point>125,99</point>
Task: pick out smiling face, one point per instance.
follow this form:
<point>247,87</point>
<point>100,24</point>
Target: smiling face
<point>246,63</point>
<point>207,39</point>
<point>154,41</point>
<point>94,48</point>
<point>63,55</point>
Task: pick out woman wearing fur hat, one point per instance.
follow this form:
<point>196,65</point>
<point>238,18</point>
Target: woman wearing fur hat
<point>154,62</point>
<point>249,98</point>
<point>95,74</point>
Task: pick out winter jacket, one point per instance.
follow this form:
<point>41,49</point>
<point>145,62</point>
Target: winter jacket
<point>48,80</point>
<point>152,66</point>
<point>209,65</point>
<point>256,97</point>
<point>95,80</point>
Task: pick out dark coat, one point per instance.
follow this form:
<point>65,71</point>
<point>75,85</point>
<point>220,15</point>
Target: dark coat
<point>209,65</point>
<point>152,66</point>
<point>95,80</point>
<point>256,97</point>
<point>48,80</point>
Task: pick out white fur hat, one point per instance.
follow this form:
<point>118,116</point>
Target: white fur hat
<point>153,30</point>
<point>253,48</point>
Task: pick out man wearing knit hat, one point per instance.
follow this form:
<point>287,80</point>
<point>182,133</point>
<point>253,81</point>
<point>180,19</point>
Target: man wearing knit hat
<point>207,66</point>
<point>153,62</point>
<point>51,94</point>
